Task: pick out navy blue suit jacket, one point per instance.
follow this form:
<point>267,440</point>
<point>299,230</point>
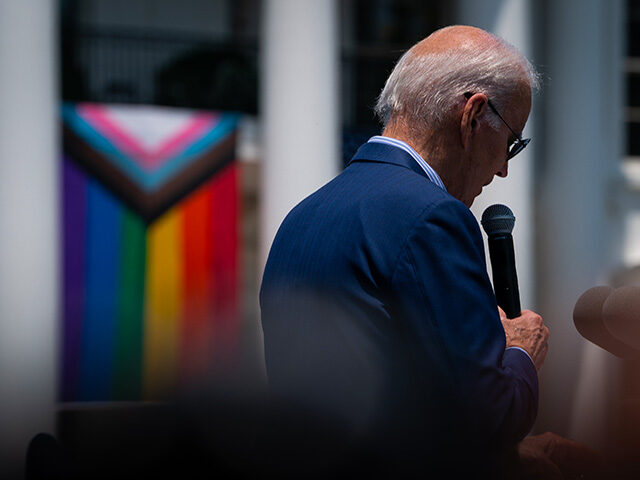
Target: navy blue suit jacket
<point>376,306</point>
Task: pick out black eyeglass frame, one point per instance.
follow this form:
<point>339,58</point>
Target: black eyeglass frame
<point>518,144</point>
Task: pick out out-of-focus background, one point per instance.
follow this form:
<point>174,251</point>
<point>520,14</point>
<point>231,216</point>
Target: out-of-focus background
<point>149,150</point>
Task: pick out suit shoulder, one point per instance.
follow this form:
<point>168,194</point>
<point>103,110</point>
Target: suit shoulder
<point>446,208</point>
<point>435,205</point>
<point>391,185</point>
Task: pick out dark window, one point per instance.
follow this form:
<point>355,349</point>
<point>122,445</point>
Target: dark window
<point>142,64</point>
<point>177,67</point>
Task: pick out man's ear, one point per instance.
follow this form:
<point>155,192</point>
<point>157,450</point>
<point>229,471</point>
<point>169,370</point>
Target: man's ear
<point>470,121</point>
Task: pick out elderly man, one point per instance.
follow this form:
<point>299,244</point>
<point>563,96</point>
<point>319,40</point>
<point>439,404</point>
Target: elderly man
<point>376,304</point>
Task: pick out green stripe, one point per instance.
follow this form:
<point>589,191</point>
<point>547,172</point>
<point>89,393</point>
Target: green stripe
<point>127,374</point>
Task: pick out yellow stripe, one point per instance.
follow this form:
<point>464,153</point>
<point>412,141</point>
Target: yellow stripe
<point>163,305</point>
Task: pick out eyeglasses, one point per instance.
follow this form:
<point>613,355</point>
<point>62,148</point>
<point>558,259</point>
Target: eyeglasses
<point>518,144</point>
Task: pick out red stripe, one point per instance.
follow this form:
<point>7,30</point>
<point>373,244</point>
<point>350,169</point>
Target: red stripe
<point>225,265</point>
<point>197,301</point>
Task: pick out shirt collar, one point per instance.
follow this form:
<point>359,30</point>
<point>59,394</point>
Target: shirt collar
<point>431,173</point>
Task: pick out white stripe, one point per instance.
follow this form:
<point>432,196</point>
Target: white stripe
<point>431,173</point>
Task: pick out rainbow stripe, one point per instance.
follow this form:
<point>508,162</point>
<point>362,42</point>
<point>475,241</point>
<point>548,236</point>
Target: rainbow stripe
<point>163,302</point>
<point>147,307</point>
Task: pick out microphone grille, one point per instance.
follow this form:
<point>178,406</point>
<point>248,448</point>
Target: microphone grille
<point>497,219</point>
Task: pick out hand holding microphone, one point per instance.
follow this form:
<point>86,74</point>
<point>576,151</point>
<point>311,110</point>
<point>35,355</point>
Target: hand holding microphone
<point>528,332</point>
<point>523,329</point>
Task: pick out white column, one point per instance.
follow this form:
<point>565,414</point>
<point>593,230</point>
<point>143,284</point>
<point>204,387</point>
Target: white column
<point>584,145</point>
<point>511,20</point>
<point>28,226</point>
<point>299,107</point>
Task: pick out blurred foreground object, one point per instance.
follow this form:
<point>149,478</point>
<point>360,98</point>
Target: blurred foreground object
<point>621,315</point>
<point>588,317</point>
<point>224,435</point>
<point>231,435</point>
<point>550,456</point>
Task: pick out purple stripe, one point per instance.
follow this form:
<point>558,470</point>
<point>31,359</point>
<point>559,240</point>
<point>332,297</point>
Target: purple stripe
<point>74,220</point>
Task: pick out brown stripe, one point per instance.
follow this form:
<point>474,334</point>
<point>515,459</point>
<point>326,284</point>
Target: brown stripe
<point>149,205</point>
<point>194,175</point>
<point>95,164</point>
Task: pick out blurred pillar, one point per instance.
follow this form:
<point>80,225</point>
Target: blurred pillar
<point>299,107</point>
<point>511,20</point>
<point>584,127</point>
<point>28,226</point>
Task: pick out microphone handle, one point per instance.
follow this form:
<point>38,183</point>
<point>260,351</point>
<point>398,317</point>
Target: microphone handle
<point>505,278</point>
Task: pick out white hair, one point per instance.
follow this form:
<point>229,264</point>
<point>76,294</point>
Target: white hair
<point>425,88</point>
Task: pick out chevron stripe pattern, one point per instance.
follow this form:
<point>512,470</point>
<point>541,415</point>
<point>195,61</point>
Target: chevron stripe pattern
<point>150,250</point>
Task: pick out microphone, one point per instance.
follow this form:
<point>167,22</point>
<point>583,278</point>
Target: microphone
<point>621,315</point>
<point>498,221</point>
<point>591,322</point>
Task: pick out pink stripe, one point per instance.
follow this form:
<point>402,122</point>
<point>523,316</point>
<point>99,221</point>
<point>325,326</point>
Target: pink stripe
<point>200,124</point>
<point>97,116</point>
<point>149,160</point>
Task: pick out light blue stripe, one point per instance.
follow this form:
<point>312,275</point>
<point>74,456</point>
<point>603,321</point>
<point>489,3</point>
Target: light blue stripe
<point>226,126</point>
<point>97,141</point>
<point>431,173</point>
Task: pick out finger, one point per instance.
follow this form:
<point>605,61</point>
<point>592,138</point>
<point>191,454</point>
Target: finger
<point>503,316</point>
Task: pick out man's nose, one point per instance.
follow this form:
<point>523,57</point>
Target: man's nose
<point>504,171</point>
